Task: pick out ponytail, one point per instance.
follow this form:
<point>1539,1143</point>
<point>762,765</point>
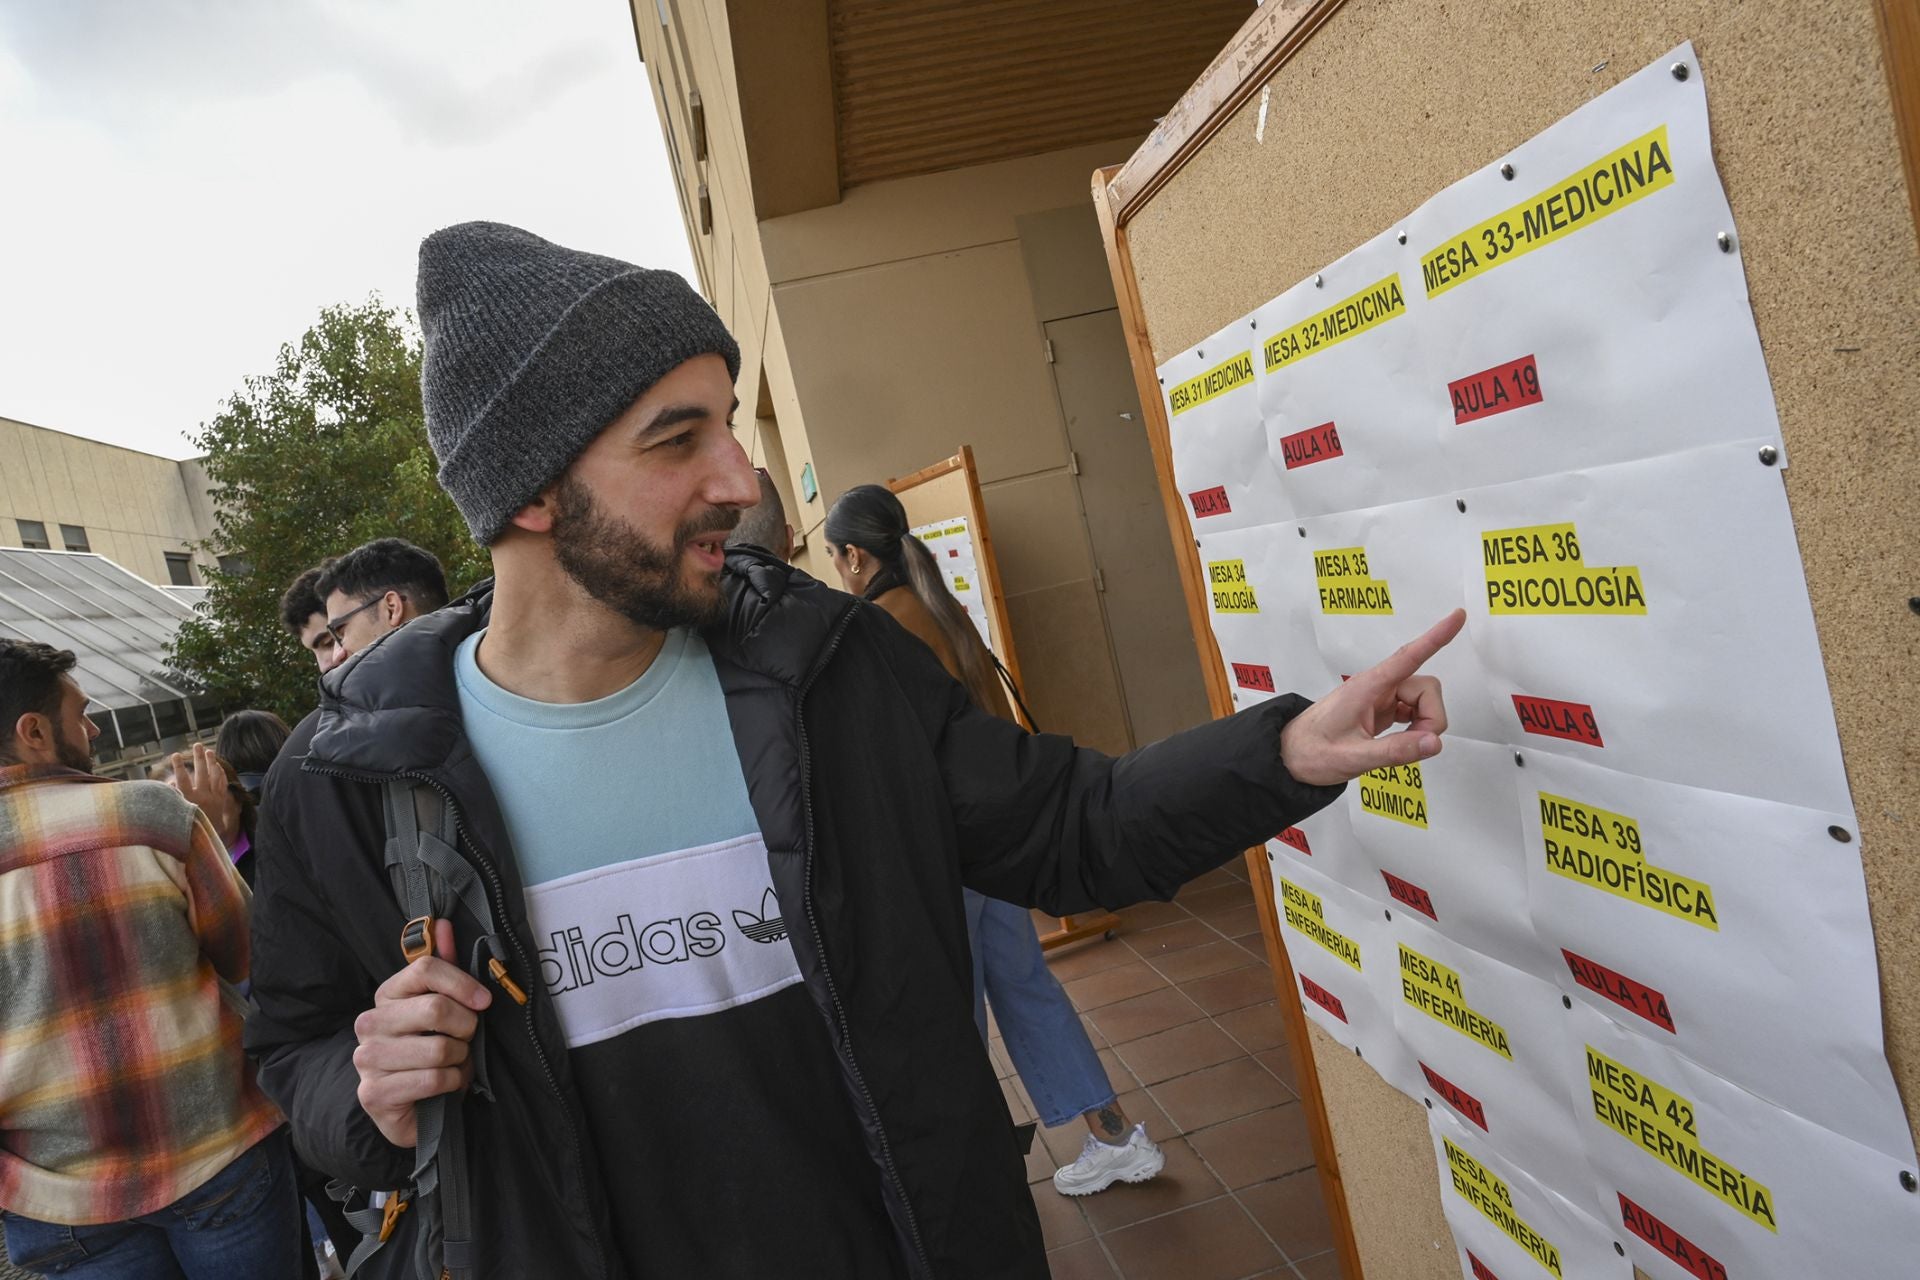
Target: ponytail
<point>871,517</point>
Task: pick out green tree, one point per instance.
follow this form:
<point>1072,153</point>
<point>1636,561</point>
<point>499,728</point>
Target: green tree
<point>324,453</point>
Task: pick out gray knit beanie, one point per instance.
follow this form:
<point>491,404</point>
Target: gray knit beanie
<point>532,349</point>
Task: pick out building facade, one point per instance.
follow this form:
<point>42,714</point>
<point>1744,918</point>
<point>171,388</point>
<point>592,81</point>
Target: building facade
<point>888,204</point>
<point>143,512</point>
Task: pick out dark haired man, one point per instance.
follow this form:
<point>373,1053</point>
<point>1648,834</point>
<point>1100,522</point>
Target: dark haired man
<point>304,614</point>
<point>721,816</point>
<point>379,587</point>
<point>135,1142</point>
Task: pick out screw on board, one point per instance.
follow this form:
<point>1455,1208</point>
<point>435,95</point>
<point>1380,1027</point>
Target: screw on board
<point>1303,531</point>
<point>1402,237</point>
<point>1198,352</point>
<point>1460,503</point>
<point>1429,1102</point>
<point>1566,1002</point>
<point>1841,834</point>
<point>1617,1249</point>
<point>1357,1053</point>
<point>1681,70</point>
<point>1768,455</point>
<point>1908,1181</point>
<point>1725,241</point>
<point>1319,281</point>
<point>1519,761</point>
<point>1506,171</point>
<point>1253,324</point>
<point>1387,914</point>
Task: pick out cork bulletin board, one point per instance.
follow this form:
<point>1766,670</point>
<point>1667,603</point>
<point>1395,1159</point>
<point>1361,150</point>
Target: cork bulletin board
<point>1323,122</point>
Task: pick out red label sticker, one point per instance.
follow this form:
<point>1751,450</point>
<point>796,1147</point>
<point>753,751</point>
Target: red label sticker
<point>1457,1098</point>
<point>1573,721</point>
<point>1295,838</point>
<point>1315,444</point>
<point>1513,385</point>
<point>953,553</point>
<point>1323,997</point>
<point>1632,996</point>
<point>1411,894</point>
<point>1683,1251</point>
<point>1210,502</point>
<point>1249,676</point>
<point>1480,1269</point>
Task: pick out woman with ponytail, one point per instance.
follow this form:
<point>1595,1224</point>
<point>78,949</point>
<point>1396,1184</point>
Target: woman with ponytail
<point>879,560</point>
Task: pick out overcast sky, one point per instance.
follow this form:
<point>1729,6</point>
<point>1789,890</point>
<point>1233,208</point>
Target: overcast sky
<point>185,183</point>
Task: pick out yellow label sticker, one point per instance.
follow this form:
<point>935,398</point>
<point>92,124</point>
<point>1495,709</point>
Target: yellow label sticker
<point>1662,1123</point>
<point>1346,586</point>
<point>1306,914</point>
<point>1437,991</point>
<point>1606,186</point>
<point>1374,305</point>
<point>1536,569</point>
<point>1486,1191</point>
<point>1229,375</point>
<point>1232,593</point>
<point>1603,849</point>
<point>1397,791</point>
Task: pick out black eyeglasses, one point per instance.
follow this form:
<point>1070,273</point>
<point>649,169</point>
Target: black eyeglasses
<point>334,624</point>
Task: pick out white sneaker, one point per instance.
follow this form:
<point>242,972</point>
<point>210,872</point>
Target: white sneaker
<point>1101,1165</point>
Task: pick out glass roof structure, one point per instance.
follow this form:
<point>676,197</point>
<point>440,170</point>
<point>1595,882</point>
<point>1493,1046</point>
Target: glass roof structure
<point>119,627</point>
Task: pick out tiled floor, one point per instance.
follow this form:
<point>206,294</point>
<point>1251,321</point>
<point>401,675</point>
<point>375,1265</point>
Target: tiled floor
<point>1180,1005</point>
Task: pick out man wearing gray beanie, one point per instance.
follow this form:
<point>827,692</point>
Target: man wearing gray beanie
<point>693,997</point>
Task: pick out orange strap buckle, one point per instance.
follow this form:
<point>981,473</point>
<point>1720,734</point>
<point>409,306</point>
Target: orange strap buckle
<point>416,938</point>
<point>395,1207</point>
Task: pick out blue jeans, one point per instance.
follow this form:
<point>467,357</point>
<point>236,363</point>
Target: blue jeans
<point>244,1221</point>
<point>1042,1031</point>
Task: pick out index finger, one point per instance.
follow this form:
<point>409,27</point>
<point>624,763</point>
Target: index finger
<point>432,974</point>
<point>1411,656</point>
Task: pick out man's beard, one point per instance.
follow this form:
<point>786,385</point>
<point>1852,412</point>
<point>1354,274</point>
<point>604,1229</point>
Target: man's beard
<point>74,755</point>
<point>628,572</point>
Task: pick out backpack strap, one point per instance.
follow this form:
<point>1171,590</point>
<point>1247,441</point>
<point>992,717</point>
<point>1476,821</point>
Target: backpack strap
<point>429,877</point>
<point>1006,678</point>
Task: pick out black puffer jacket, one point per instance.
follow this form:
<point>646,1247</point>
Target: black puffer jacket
<point>879,790</point>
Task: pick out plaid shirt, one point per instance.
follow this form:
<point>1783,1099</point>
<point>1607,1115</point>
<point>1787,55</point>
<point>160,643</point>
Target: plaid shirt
<point>122,1082</point>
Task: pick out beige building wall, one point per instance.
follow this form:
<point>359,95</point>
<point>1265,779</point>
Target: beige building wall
<point>135,507</point>
<point>882,332</point>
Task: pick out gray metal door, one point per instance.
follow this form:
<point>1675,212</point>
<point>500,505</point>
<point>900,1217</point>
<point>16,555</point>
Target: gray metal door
<point>1120,499</point>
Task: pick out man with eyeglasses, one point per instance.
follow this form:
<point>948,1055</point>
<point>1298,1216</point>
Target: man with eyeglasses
<point>376,588</point>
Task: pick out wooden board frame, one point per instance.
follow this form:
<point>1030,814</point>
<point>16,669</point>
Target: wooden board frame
<point>1264,44</point>
<point>1071,928</point>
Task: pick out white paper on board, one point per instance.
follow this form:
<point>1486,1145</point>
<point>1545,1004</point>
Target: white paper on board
<point>951,544</point>
<point>1725,928</point>
<point>1344,966</point>
<point>1490,1044</point>
<point>1696,1169</point>
<point>1446,846</point>
<point>1506,1224</point>
<point>1213,414</point>
<point>1627,334</point>
<point>1643,595</point>
<point>1268,646</point>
